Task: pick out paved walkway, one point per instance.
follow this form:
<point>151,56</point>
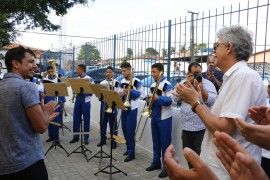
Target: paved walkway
<point>75,167</point>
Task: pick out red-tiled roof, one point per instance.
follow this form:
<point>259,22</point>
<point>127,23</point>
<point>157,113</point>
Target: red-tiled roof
<point>13,45</point>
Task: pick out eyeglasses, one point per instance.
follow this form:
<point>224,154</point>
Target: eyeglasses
<point>216,44</point>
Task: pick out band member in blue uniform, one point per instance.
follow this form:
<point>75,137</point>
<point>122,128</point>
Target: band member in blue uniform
<point>82,107</point>
<point>129,116</point>
<point>114,85</point>
<point>53,129</point>
<point>161,121</point>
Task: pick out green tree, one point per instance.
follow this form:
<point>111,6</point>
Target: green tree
<point>90,52</point>
<point>183,48</point>
<point>32,14</point>
<point>164,52</point>
<point>129,53</point>
<point>173,49</point>
<point>200,46</point>
<point>151,51</point>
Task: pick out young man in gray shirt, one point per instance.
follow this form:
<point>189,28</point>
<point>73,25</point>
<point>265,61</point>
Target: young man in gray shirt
<point>22,118</point>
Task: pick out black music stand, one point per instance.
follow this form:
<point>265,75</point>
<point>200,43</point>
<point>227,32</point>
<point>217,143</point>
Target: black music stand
<point>81,86</point>
<point>63,126</point>
<point>64,113</point>
<point>113,100</point>
<point>97,91</point>
<point>56,90</point>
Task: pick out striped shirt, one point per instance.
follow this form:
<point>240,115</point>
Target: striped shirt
<point>189,120</point>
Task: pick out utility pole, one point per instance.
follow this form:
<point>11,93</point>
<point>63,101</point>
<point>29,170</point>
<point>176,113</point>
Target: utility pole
<point>192,59</point>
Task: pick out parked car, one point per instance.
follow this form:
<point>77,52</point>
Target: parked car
<point>98,74</point>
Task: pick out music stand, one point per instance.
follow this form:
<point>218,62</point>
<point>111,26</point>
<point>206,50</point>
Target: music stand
<point>113,100</point>
<point>63,126</point>
<point>66,81</point>
<point>56,90</point>
<point>97,91</point>
<point>81,86</point>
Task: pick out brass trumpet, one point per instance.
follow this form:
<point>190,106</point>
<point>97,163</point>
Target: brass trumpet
<point>147,111</point>
<point>127,100</point>
<point>109,109</point>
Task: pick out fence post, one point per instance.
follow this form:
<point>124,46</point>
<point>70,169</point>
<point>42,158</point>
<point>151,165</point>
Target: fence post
<point>60,56</point>
<point>114,50</point>
<point>169,49</point>
<point>85,53</point>
<point>73,57</point>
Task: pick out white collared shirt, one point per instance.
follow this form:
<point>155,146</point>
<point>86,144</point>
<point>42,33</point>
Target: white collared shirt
<point>1,75</point>
<point>115,85</point>
<point>87,98</point>
<point>242,88</point>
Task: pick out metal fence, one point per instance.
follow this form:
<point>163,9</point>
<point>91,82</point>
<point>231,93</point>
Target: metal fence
<point>174,42</point>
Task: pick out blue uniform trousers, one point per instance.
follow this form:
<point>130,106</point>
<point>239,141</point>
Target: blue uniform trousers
<point>53,130</point>
<point>161,136</point>
<point>81,108</point>
<point>111,118</point>
<point>129,123</point>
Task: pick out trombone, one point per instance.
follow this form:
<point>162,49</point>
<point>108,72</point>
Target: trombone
<point>127,102</point>
<point>147,111</point>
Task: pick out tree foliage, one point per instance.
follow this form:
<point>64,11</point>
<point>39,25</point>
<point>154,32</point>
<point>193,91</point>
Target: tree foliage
<point>164,52</point>
<point>183,48</point>
<point>32,14</point>
<point>90,53</point>
<point>129,53</point>
<point>151,51</point>
<point>173,49</point>
<point>201,46</point>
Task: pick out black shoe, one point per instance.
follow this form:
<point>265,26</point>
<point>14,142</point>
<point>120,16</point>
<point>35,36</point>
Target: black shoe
<point>114,146</point>
<point>86,142</point>
<point>101,143</point>
<point>49,140</point>
<point>125,153</point>
<point>163,174</point>
<point>152,168</point>
<point>56,141</point>
<point>129,158</point>
<point>73,141</point>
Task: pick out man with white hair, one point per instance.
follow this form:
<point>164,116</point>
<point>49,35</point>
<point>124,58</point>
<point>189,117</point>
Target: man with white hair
<point>242,88</point>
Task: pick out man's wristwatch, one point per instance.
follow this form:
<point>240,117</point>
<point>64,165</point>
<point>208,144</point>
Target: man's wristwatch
<point>194,106</point>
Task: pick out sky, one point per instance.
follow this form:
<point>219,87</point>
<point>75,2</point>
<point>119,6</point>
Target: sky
<point>107,17</point>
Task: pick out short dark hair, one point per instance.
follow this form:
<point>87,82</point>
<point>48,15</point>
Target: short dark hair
<point>17,53</point>
<point>82,67</point>
<point>195,64</point>
<point>159,66</point>
<point>49,67</point>
<point>125,65</point>
<point>31,52</point>
<point>109,67</point>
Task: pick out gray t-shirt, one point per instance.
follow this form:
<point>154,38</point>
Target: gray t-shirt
<point>20,145</point>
